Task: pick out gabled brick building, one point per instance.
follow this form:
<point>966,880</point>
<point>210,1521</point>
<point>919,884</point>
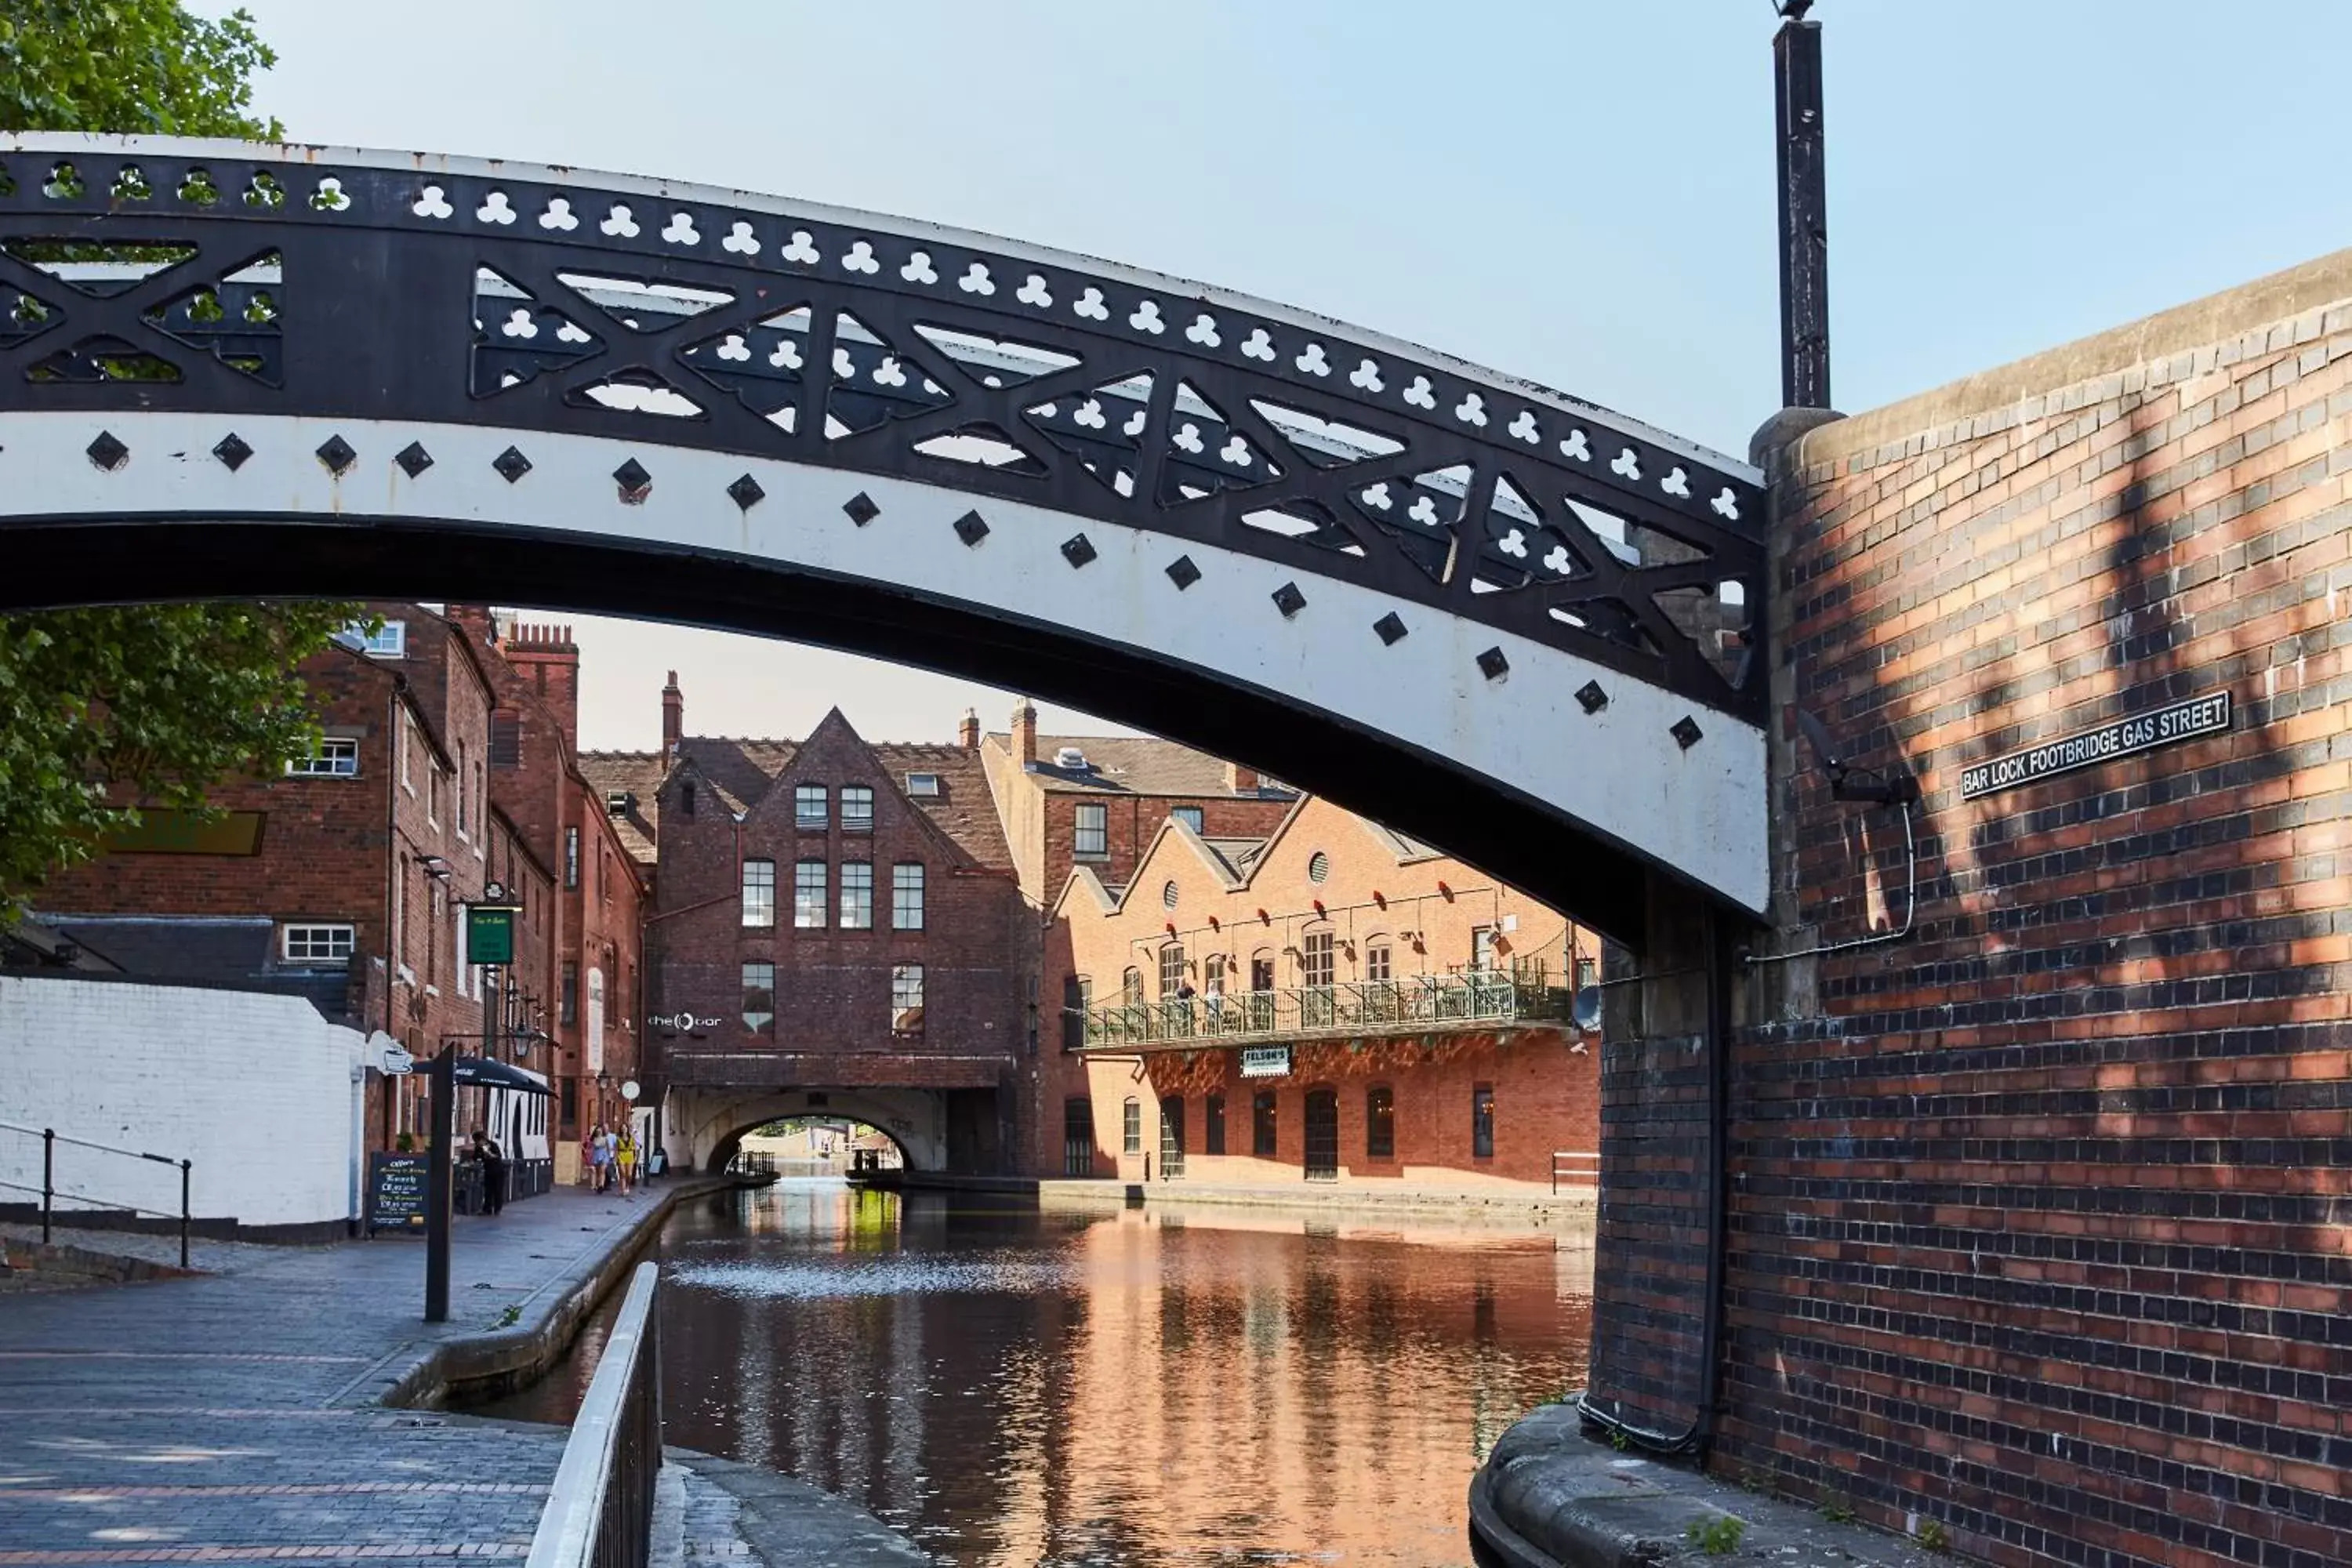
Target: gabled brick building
<point>834,917</point>
<point>1330,1001</point>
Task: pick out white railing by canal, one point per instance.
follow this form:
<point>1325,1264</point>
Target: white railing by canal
<point>1580,1166</point>
<point>600,1512</point>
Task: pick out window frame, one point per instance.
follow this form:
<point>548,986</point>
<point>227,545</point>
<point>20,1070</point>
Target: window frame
<point>767,976</point>
<point>1481,950</point>
<point>1266,1127</point>
<point>1212,1124</point>
<point>818,820</point>
<point>1482,1121</point>
<point>932,790</point>
<point>344,930</point>
<point>1099,831</point>
<point>1174,971</point>
<point>899,900</point>
<point>1130,1126</point>
<point>859,916</point>
<point>900,975</point>
<point>864,821</point>
<point>1192,816</point>
<point>306,768</point>
<point>756,892</point>
<point>1319,961</point>
<point>571,859</point>
<point>1379,961</point>
<point>567,1001</point>
<point>373,643</point>
<point>1379,1121</point>
<point>812,897</point>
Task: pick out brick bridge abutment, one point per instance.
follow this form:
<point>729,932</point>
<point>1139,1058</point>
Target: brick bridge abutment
<point>2036,1218</point>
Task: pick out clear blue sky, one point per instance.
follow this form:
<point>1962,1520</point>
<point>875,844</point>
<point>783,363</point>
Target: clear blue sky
<point>1577,193</point>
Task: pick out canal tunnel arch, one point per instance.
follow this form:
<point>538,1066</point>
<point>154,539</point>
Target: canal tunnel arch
<point>703,1126</point>
<point>1491,616</point>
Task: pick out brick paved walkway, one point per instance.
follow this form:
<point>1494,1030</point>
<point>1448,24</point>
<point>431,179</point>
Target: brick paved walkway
<point>220,1419</point>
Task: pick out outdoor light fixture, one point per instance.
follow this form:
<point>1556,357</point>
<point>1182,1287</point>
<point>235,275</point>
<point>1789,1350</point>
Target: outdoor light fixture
<point>435,866</point>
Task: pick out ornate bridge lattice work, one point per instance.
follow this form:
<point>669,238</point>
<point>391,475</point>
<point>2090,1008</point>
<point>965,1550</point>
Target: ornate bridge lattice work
<point>1515,587</point>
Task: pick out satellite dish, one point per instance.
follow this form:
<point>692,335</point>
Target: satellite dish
<point>1586,1009</point>
<point>629,1090</point>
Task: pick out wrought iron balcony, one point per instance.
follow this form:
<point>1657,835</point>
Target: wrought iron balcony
<point>1423,1005</point>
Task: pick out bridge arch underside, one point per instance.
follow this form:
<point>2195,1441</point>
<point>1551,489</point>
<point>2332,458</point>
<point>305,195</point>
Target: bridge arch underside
<point>703,1126</point>
<point>1493,618</point>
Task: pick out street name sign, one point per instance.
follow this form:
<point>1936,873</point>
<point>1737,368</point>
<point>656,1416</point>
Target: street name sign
<point>2146,732</point>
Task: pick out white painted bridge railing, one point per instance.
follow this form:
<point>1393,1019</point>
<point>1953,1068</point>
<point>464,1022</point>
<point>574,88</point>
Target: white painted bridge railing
<point>600,1512</point>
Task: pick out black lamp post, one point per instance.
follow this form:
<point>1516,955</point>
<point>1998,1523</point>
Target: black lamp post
<point>1805,211</point>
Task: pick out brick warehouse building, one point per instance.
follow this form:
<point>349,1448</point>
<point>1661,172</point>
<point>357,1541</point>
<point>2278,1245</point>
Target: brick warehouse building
<point>539,778</point>
<point>838,929</point>
<point>1329,1000</point>
<point>346,880</point>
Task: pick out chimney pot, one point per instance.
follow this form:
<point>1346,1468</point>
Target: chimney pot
<point>968,730</point>
<point>673,709</point>
<point>1241,779</point>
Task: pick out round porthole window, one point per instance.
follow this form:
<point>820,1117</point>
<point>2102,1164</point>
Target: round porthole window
<point>1168,895</point>
<point>1319,867</point>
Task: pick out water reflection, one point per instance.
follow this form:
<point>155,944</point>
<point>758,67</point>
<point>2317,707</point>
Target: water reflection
<point>1125,1388</point>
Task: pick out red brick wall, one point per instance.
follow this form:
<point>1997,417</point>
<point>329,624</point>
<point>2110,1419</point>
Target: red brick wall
<point>1546,1095</point>
<point>2036,1218</point>
<point>323,842</point>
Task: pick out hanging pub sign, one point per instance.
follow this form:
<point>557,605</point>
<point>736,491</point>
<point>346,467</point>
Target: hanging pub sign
<point>1265,1061</point>
<point>2142,732</point>
<point>489,933</point>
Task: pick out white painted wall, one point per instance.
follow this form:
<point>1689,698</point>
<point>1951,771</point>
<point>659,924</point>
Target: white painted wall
<point>257,1091</point>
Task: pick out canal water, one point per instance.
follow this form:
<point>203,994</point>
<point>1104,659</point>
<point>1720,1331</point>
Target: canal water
<point>1111,1388</point>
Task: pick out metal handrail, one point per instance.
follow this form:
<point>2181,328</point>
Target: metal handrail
<point>50,1138</point>
<point>600,1510</point>
<point>1559,1155</point>
<point>1414,1005</point>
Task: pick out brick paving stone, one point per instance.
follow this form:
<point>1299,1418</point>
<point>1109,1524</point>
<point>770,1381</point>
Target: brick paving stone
<point>218,1419</point>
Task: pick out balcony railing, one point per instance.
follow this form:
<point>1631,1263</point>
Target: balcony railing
<point>1427,1004</point>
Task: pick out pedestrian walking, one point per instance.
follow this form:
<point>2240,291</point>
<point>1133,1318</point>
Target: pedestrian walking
<point>625,1156</point>
<point>600,1154</point>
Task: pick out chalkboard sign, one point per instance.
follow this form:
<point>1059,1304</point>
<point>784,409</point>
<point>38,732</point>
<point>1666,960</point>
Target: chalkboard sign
<point>396,1192</point>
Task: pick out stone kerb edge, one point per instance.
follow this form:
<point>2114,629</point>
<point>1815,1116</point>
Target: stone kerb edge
<point>501,1360</point>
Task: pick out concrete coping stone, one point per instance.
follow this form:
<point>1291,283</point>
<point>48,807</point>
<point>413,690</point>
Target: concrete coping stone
<point>1550,1496</point>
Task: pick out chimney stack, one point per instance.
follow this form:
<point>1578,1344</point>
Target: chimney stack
<point>1241,779</point>
<point>968,730</point>
<point>1024,732</point>
<point>673,720</point>
<point>549,662</point>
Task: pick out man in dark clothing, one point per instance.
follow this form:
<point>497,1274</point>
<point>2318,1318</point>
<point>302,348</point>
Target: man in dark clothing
<point>494,1172</point>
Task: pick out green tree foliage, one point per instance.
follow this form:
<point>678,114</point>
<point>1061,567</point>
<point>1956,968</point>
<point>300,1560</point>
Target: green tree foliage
<point>133,67</point>
<point>104,711</point>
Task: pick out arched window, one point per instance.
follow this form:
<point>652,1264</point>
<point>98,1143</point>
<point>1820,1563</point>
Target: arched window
<point>1379,1122</point>
<point>1171,970</point>
<point>1130,987</point>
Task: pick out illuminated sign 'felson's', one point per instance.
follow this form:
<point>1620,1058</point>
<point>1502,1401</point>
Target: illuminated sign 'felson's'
<point>2144,732</point>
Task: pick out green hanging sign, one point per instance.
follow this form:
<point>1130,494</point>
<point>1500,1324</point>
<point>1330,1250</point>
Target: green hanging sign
<point>489,933</point>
